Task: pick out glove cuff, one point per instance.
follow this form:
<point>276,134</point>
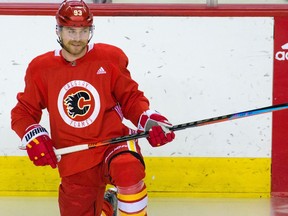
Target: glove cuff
<point>145,123</point>
<point>33,131</point>
<point>151,112</point>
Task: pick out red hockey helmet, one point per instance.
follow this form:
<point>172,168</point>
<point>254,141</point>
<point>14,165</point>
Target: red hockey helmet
<point>74,13</point>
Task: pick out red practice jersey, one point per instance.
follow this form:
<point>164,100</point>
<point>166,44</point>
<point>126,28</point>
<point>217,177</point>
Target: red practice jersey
<point>81,98</point>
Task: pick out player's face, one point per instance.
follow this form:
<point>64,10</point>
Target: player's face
<point>74,41</point>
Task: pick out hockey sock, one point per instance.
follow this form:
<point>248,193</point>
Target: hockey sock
<point>132,201</point>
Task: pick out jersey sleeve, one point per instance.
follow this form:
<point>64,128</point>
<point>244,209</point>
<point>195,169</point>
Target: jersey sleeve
<point>133,101</point>
<point>28,109</point>
<point>125,89</point>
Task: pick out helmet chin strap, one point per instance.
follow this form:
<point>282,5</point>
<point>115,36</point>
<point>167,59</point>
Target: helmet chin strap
<point>91,32</point>
<point>60,42</point>
<point>58,35</point>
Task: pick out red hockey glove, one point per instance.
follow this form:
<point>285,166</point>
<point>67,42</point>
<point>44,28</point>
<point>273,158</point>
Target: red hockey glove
<point>39,146</point>
<point>158,127</point>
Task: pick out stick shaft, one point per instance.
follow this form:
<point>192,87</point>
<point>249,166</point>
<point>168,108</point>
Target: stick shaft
<point>214,120</point>
<point>230,117</point>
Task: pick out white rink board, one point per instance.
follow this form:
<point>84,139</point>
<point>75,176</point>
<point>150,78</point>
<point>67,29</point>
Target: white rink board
<point>191,68</point>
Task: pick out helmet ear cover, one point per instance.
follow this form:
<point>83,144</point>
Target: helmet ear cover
<point>74,13</point>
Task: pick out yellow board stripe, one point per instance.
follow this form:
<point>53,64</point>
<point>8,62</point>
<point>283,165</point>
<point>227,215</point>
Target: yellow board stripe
<point>209,175</point>
<point>165,176</point>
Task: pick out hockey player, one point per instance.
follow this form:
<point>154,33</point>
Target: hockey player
<point>87,91</point>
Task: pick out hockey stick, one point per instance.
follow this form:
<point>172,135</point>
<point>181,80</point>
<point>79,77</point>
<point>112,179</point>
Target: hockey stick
<point>214,120</point>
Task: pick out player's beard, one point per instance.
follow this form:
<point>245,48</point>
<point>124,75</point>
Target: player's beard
<point>75,48</point>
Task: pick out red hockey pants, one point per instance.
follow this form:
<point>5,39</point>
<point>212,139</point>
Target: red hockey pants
<point>82,194</point>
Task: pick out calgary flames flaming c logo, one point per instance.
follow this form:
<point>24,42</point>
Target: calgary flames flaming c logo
<point>74,105</point>
<point>78,103</point>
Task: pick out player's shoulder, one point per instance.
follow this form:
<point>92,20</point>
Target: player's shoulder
<point>43,59</point>
<point>42,63</point>
<point>109,50</point>
<point>107,47</point>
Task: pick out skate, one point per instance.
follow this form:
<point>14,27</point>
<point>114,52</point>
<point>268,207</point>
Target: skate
<point>111,196</point>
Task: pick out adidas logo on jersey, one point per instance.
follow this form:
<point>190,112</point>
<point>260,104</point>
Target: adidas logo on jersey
<point>101,71</point>
<point>282,55</point>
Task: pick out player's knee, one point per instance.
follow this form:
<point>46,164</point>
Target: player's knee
<point>126,170</point>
